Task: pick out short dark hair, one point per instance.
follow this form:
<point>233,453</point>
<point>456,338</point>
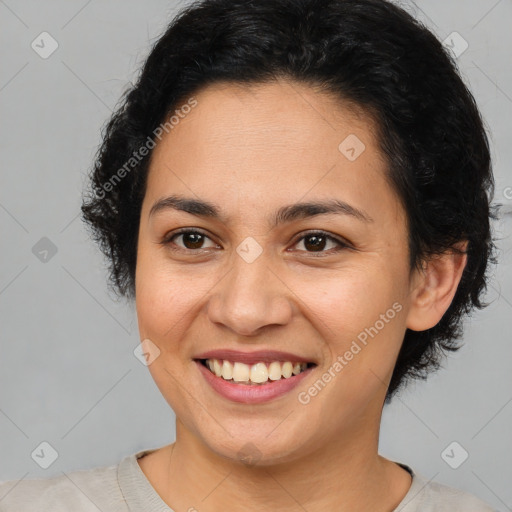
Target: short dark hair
<point>368,53</point>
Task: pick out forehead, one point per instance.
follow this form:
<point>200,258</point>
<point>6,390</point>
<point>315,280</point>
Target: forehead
<point>245,146</point>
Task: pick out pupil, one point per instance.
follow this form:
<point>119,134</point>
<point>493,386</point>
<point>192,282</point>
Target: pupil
<point>195,240</point>
<point>188,239</point>
<point>318,244</point>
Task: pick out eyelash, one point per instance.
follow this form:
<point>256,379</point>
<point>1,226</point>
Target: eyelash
<point>168,241</point>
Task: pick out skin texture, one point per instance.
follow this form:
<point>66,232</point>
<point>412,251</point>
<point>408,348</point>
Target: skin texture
<point>252,150</point>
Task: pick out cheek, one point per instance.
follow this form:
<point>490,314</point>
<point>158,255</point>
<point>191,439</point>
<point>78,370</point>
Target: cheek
<point>347,302</point>
<point>360,316</point>
<point>160,298</point>
<point>162,305</point>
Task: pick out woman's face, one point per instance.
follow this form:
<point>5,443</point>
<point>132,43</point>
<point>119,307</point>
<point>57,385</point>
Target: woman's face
<point>250,280</point>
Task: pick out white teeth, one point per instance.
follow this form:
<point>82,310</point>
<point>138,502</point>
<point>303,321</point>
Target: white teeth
<point>286,370</point>
<point>258,373</point>
<point>274,370</point>
<point>217,368</point>
<point>227,370</point>
<point>241,372</point>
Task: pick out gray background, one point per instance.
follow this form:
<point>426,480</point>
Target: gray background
<point>68,375</point>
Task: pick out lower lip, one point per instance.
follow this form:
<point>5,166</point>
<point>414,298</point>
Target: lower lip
<point>252,394</point>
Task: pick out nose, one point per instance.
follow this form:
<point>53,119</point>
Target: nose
<point>250,297</point>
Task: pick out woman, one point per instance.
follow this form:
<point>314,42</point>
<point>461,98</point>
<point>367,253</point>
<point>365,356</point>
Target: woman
<point>296,195</point>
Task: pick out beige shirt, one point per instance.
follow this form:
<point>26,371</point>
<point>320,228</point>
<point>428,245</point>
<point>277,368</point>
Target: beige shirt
<point>125,488</point>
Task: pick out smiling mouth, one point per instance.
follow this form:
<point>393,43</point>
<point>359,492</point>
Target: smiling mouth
<point>255,374</point>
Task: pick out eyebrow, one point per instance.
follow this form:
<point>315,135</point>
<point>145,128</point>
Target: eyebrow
<point>285,214</point>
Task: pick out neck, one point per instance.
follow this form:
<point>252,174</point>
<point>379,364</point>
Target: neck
<point>345,475</point>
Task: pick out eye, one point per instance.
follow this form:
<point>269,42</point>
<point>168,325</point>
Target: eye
<point>317,241</point>
<point>192,240</point>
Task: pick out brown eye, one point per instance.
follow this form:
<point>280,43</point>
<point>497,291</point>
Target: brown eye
<point>315,242</point>
<point>190,240</point>
<point>318,241</point>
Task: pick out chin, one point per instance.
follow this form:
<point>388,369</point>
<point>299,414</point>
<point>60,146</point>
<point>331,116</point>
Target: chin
<point>259,448</point>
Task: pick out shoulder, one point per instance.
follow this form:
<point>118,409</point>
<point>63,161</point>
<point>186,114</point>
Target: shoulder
<point>428,496</point>
<point>80,490</point>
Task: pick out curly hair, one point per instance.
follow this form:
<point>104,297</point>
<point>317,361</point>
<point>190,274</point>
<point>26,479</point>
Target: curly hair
<point>369,53</point>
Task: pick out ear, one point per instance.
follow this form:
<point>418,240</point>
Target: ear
<point>434,287</point>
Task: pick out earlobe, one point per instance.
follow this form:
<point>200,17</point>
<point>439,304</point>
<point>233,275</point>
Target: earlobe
<point>434,286</point>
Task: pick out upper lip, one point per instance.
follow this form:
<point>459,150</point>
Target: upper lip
<point>265,356</point>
